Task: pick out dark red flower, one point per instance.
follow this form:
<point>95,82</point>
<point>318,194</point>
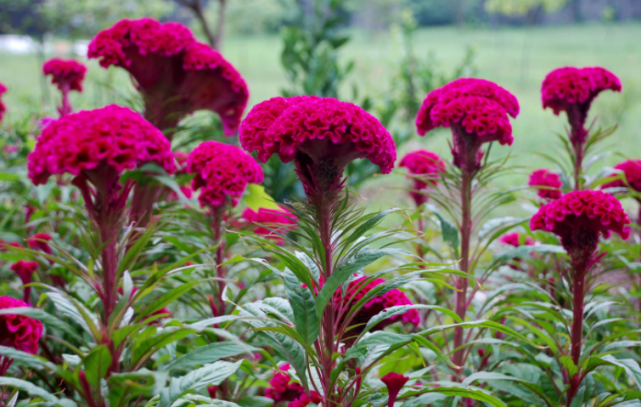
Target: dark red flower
<point>66,74</point>
<point>212,391</point>
<point>40,241</point>
<point>322,136</point>
<point>394,383</point>
<point>222,172</point>
<point>476,110</point>
<point>303,400</point>
<point>423,162</point>
<point>572,90</point>
<point>632,171</point>
<point>515,239</point>
<point>277,221</point>
<point>547,182</point>
<point>24,269</point>
<point>3,108</point>
<point>5,245</point>
<point>579,217</point>
<point>175,74</point>
<point>281,388</point>
<point>19,331</point>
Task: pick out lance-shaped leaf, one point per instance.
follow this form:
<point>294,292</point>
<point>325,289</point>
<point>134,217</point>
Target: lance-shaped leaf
<point>208,354</point>
<point>303,305</point>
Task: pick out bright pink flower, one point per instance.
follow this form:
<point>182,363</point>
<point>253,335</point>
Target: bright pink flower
<point>549,181</point>
<point>579,217</point>
<point>423,162</point>
<point>394,383</point>
<point>572,90</point>
<point>514,239</point>
<point>303,400</point>
<point>40,241</point>
<point>476,110</point>
<point>66,74</point>
<point>281,388</point>
<point>5,245</point>
<point>322,135</point>
<point>632,171</point>
<point>18,331</point>
<point>212,391</point>
<point>112,139</point>
<point>222,172</point>
<point>277,221</point>
<point>24,269</point>
<point>175,74</point>
<point>3,108</point>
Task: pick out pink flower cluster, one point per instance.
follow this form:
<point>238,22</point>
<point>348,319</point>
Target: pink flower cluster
<point>514,239</point>
<point>277,221</point>
<point>549,183</point>
<point>632,171</point>
<point>564,87</point>
<point>39,241</point>
<point>19,331</point>
<point>357,289</point>
<point>3,108</point>
<point>112,137</point>
<point>319,128</point>
<point>423,162</point>
<point>303,400</point>
<point>222,171</point>
<point>66,74</point>
<point>281,387</point>
<point>478,106</point>
<point>582,212</point>
<point>176,74</point>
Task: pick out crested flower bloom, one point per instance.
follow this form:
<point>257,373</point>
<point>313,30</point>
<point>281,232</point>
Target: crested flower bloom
<point>631,170</point>
<point>40,241</point>
<point>516,240</point>
<point>24,270</point>
<point>281,387</point>
<point>547,183</point>
<point>3,108</point>
<point>17,331</point>
<point>580,217</point>
<point>355,291</point>
<point>276,221</point>
<point>222,172</point>
<point>303,400</point>
<point>477,112</point>
<point>67,75</point>
<point>394,383</point>
<point>572,90</point>
<point>321,135</point>
<point>427,164</point>
<point>175,74</point>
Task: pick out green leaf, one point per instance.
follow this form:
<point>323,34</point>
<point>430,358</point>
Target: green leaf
<point>35,391</point>
<point>145,346</point>
<point>42,316</point>
<point>630,366</point>
<point>470,392</point>
<point>208,354</point>
<point>496,223</point>
<point>303,305</point>
<point>212,374</point>
<point>96,364</point>
<point>25,359</point>
<point>524,251</point>
<point>126,386</point>
<point>257,198</point>
<point>166,299</point>
<point>401,309</point>
<point>448,229</point>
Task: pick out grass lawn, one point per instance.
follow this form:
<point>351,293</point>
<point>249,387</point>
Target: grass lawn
<point>516,58</point>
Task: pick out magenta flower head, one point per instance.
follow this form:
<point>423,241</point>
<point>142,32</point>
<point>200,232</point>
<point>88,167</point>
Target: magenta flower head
<point>572,90</point>
<point>24,270</point>
<point>281,387</point>
<point>426,163</point>
<point>477,112</point>
<point>275,220</point>
<point>548,184</point>
<point>17,331</point>
<point>175,74</point>
<point>394,383</point>
<point>40,241</point>
<point>631,169</point>
<point>3,108</point>
<point>321,135</point>
<point>65,74</point>
<point>515,239</point>
<point>222,172</point>
<point>580,217</point>
<point>97,146</point>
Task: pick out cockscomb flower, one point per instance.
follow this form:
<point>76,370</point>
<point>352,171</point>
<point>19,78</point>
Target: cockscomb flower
<point>40,241</point>
<point>24,270</point>
<point>222,172</point>
<point>631,169</point>
<point>355,291</point>
<point>67,75</point>
<point>304,400</point>
<point>3,108</point>
<point>548,183</point>
<point>281,387</point>
<point>515,239</point>
<point>321,135</point>
<point>394,383</point>
<point>426,163</point>
<point>580,217</point>
<point>275,220</point>
<point>477,111</point>
<point>572,90</point>
<point>17,331</point>
<point>175,74</point>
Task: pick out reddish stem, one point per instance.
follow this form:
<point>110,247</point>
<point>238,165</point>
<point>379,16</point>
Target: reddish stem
<point>65,108</point>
